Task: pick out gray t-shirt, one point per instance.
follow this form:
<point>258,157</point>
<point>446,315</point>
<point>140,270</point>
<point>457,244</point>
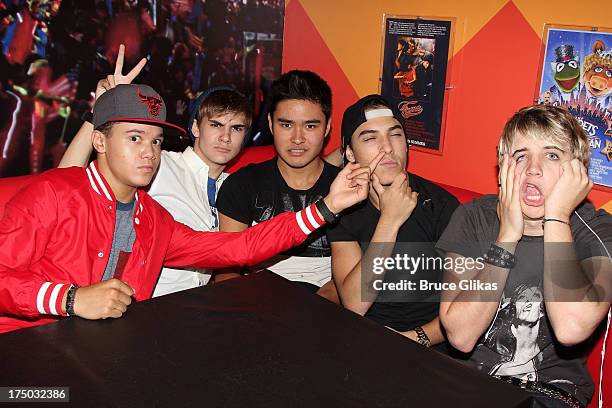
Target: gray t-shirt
<point>472,229</point>
<point>123,237</point>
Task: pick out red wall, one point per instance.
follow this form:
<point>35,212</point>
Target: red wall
<point>493,70</point>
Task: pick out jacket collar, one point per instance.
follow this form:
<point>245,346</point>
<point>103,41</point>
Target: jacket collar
<point>98,182</point>
<point>102,188</point>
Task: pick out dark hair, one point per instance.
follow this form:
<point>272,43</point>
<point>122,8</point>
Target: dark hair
<point>376,103</point>
<point>105,128</point>
<point>225,101</point>
<point>302,85</point>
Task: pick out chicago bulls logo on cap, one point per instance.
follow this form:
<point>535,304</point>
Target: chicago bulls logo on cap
<point>152,102</point>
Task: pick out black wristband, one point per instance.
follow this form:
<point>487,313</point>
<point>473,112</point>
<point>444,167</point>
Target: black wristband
<point>70,300</point>
<point>545,220</point>
<point>87,117</point>
<point>326,213</point>
<point>422,337</point>
<point>498,256</point>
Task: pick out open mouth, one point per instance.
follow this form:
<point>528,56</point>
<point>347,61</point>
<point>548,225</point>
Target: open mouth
<point>596,91</point>
<point>532,195</point>
<point>567,84</point>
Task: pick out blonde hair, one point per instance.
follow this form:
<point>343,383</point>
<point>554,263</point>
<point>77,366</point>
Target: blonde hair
<point>549,123</point>
<point>600,58</point>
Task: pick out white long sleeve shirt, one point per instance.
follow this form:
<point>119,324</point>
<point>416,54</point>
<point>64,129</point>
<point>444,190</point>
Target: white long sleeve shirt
<point>180,186</point>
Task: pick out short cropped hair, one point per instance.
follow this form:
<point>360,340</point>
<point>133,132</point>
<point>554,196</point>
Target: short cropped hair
<point>302,85</point>
<point>549,123</point>
<point>376,103</point>
<point>105,128</point>
<point>372,104</point>
<point>225,101</point>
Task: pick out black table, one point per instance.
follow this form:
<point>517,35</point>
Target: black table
<point>258,341</point>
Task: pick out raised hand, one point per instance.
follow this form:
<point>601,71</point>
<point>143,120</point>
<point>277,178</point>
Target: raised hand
<point>102,300</point>
<point>117,78</point>
<point>509,212</point>
<point>570,190</point>
<point>351,185</point>
<point>397,201</point>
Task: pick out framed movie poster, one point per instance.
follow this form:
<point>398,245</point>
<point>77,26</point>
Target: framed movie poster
<point>576,73</point>
<point>414,75</point>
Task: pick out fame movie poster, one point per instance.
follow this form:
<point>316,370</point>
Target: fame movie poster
<point>576,73</point>
<point>414,75</point>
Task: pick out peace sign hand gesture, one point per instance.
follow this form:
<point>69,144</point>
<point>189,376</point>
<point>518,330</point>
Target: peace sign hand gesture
<point>117,78</point>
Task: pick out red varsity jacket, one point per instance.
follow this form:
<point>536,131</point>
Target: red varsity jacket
<point>58,231</point>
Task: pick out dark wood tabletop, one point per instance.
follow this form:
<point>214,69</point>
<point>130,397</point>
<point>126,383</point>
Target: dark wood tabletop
<point>257,341</point>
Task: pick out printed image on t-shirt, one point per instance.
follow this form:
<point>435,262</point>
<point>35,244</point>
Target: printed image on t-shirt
<point>268,204</point>
<point>520,341</point>
<point>258,192</point>
<point>519,334</point>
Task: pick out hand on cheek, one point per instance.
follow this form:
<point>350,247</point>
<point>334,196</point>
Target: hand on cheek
<point>569,191</point>
<point>509,205</point>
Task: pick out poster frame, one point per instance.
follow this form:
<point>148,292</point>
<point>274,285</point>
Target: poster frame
<point>542,65</point>
<point>448,75</point>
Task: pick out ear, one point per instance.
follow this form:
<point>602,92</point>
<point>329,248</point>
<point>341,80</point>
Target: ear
<point>270,122</point>
<point>349,154</point>
<point>328,127</point>
<point>98,140</point>
<point>195,129</point>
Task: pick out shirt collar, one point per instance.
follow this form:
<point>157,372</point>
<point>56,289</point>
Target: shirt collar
<point>196,164</point>
<point>193,160</point>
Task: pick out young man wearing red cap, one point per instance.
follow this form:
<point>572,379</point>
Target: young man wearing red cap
<point>186,183</point>
<point>404,215</point>
<point>70,229</point>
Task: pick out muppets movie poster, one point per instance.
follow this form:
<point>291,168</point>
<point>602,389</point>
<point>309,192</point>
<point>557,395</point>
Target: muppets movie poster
<point>577,74</point>
<point>414,75</point>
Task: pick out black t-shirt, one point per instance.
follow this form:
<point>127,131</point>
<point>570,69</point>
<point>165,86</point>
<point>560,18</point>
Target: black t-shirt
<point>423,228</point>
<point>473,228</point>
<point>258,192</point>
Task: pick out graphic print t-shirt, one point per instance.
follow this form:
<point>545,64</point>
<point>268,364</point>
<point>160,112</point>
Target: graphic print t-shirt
<point>258,192</point>
<point>520,342</point>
